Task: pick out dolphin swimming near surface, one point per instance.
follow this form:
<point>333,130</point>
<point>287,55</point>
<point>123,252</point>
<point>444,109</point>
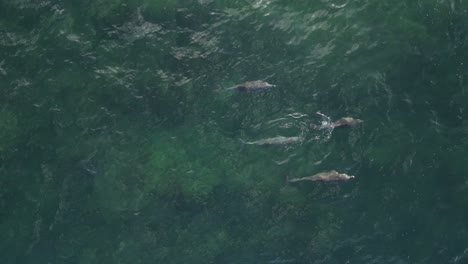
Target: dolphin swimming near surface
<point>251,86</point>
<point>327,176</point>
<point>278,140</point>
<point>342,122</point>
<point>347,122</point>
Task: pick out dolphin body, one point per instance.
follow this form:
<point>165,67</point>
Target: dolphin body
<point>327,176</point>
<point>279,140</point>
<point>251,86</point>
<point>346,122</point>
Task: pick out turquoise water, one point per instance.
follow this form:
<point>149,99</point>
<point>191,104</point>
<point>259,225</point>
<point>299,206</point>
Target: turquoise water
<point>118,146</point>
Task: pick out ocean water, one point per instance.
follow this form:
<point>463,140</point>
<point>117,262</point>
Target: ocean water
<point>118,144</point>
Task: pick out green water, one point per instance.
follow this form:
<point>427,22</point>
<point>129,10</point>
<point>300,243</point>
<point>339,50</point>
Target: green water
<point>116,145</point>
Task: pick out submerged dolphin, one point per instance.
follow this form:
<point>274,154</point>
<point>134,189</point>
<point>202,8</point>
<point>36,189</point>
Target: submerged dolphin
<point>327,176</point>
<point>251,86</point>
<point>346,122</point>
<point>279,140</point>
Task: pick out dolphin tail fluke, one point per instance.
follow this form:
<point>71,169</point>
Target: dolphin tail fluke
<point>294,180</point>
<point>244,142</point>
<point>219,89</point>
<point>222,89</point>
<point>233,88</point>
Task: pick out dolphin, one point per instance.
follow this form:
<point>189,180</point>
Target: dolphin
<point>327,176</point>
<point>278,140</point>
<point>346,122</point>
<point>251,86</point>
